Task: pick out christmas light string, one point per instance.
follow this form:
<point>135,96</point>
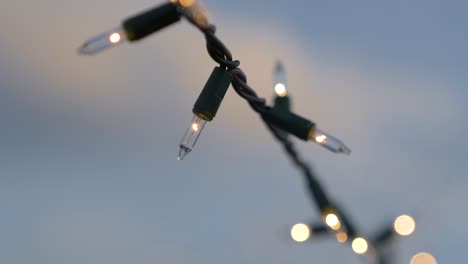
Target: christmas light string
<point>279,119</point>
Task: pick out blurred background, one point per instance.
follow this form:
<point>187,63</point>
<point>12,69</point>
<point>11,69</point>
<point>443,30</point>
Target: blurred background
<point>88,145</point>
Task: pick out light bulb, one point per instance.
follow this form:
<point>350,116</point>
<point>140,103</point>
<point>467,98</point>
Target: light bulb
<point>404,225</point>
<point>300,232</point>
<point>329,142</point>
<point>280,79</point>
<point>359,245</point>
<point>332,221</point>
<point>205,108</point>
<point>103,41</point>
<point>191,136</point>
<point>134,28</point>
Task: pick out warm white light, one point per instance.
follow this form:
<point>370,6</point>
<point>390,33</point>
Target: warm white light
<point>195,127</point>
<point>359,245</point>
<point>187,3</point>
<point>404,225</point>
<point>321,138</point>
<point>332,221</point>
<point>280,89</point>
<point>423,258</point>
<point>114,37</point>
<point>300,232</point>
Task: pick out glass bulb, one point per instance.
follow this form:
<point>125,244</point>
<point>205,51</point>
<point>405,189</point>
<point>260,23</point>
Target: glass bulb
<point>280,79</point>
<point>191,136</point>
<point>331,143</point>
<point>103,41</point>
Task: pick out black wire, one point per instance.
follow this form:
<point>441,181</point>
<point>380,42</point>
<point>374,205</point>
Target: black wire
<point>221,54</point>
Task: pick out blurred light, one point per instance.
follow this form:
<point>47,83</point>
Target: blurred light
<point>359,245</point>
<point>186,3</point>
<point>114,37</point>
<point>341,237</point>
<point>195,127</point>
<point>423,258</point>
<point>329,142</point>
<point>321,138</point>
<point>300,232</point>
<point>280,89</point>
<point>404,225</point>
<point>332,221</point>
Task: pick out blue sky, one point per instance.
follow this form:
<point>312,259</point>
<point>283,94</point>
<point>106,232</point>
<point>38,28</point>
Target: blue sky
<point>88,169</point>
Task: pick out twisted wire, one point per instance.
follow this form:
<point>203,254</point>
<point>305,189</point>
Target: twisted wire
<point>221,54</point>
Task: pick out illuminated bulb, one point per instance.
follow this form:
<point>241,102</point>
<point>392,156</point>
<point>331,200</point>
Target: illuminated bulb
<point>359,245</point>
<point>341,237</point>
<point>191,136</point>
<point>331,143</point>
<point>280,79</point>
<point>280,90</point>
<point>423,258</point>
<point>103,41</point>
<point>404,225</point>
<point>300,232</point>
<point>332,221</point>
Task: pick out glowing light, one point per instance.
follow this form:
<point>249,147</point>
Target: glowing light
<point>329,142</point>
<point>187,3</point>
<point>280,89</point>
<point>332,221</point>
<point>300,232</point>
<point>103,41</point>
<point>359,245</point>
<point>195,127</point>
<point>423,258</point>
<point>321,139</point>
<point>114,37</point>
<point>341,237</point>
<point>404,225</point>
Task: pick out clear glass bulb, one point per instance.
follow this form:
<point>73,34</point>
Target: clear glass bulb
<point>103,41</point>
<point>191,136</point>
<point>329,142</point>
<point>280,79</point>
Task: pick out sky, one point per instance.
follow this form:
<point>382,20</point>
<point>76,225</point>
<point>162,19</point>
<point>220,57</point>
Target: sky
<point>88,145</point>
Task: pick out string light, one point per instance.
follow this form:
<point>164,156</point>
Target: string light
<point>278,119</point>
<point>281,117</point>
<point>300,232</point>
<point>205,109</point>
<point>133,28</point>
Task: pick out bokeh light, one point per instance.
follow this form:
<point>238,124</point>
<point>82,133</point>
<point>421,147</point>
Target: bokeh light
<point>300,232</point>
<point>359,245</point>
<point>404,225</point>
<point>114,37</point>
<point>423,258</point>
<point>332,221</point>
<point>341,237</point>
